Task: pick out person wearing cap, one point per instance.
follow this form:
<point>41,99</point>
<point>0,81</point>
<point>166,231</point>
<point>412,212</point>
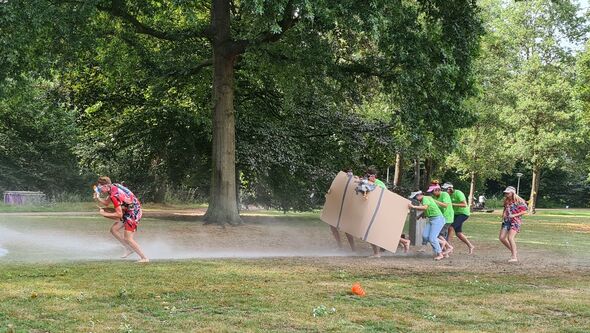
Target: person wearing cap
<point>435,222</point>
<point>443,200</point>
<point>514,208</point>
<point>461,214</point>
<point>127,214</point>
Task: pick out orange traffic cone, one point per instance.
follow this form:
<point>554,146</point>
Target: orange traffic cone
<point>358,290</point>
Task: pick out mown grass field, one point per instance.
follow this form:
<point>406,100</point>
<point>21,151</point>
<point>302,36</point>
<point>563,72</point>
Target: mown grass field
<point>548,291</point>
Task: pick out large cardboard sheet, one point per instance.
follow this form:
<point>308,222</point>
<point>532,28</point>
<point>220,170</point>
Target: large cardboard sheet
<point>379,219</point>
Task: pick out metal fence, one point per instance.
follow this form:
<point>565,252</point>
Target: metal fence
<point>24,198</point>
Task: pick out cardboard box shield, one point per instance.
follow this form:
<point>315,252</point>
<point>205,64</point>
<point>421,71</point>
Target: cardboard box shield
<point>379,219</point>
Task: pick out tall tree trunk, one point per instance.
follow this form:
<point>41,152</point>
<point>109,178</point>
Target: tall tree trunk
<point>427,176</point>
<point>398,170</point>
<point>471,190</point>
<point>534,189</point>
<point>417,174</point>
<point>159,182</point>
<point>223,206</point>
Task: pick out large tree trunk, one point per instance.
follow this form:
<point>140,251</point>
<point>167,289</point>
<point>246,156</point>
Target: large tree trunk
<point>416,174</point>
<point>223,206</point>
<point>398,170</point>
<point>534,189</point>
<point>471,190</point>
<point>427,176</point>
<point>160,183</point>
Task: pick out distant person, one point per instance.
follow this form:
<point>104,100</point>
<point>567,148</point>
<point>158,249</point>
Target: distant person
<point>435,222</point>
<point>482,201</point>
<point>443,200</point>
<point>514,208</point>
<point>126,215</point>
<point>461,214</point>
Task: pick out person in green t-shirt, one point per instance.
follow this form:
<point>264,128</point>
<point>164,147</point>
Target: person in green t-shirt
<point>436,221</point>
<point>461,214</point>
<point>443,200</point>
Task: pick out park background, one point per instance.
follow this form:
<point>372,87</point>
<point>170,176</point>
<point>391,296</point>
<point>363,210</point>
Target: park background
<point>468,92</point>
<point>212,110</point>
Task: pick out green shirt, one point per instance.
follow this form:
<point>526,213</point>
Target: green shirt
<point>448,212</point>
<point>380,183</point>
<point>433,209</point>
<point>459,197</point>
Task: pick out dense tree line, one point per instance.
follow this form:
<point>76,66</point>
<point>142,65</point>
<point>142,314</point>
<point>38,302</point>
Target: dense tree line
<point>263,101</point>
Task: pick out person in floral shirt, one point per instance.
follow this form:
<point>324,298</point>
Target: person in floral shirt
<point>514,208</point>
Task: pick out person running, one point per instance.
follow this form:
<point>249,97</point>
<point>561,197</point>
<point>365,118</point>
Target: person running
<point>514,208</point>
<point>461,214</point>
<point>126,215</point>
<point>443,200</point>
<point>435,222</point>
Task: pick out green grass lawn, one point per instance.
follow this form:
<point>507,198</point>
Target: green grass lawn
<point>549,291</point>
<point>280,295</point>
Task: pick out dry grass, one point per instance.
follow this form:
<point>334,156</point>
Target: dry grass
<point>547,291</point>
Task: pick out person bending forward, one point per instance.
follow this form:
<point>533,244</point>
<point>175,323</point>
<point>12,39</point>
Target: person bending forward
<point>126,215</point>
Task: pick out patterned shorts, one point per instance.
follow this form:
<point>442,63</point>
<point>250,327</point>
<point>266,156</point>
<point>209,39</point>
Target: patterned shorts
<point>131,219</point>
<point>510,225</point>
<point>444,232</point>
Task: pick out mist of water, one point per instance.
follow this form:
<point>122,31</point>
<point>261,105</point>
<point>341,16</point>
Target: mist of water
<point>59,244</point>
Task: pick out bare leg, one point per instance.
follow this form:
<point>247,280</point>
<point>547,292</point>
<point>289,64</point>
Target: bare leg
<point>512,241</point>
<point>445,246</point>
<point>464,239</point>
<point>451,232</point>
<point>376,251</point>
<point>351,242</point>
<point>405,243</point>
<point>133,244</point>
<point>336,236</point>
<point>502,238</point>
<point>115,231</point>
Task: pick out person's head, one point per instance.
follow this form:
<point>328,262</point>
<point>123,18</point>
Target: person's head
<point>371,174</point>
<point>510,196</point>
<point>448,187</point>
<point>104,184</point>
<point>418,195</point>
<point>434,189</point>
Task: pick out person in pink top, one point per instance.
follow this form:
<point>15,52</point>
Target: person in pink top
<point>127,214</point>
<point>514,208</point>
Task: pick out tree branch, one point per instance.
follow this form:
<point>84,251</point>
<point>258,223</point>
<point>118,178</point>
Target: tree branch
<point>287,22</point>
<point>117,9</point>
<point>192,70</point>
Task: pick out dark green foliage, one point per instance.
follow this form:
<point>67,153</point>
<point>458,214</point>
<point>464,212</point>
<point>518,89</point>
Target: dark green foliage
<point>349,84</point>
<point>37,135</point>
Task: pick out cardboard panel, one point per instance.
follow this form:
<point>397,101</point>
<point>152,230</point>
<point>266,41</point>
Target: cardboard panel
<point>379,219</point>
<point>332,207</point>
<point>357,211</point>
<point>388,223</point>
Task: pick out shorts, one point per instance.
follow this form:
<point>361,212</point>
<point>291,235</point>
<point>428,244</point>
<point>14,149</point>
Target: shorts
<point>458,222</point>
<point>444,232</point>
<point>131,219</point>
<point>510,225</point>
